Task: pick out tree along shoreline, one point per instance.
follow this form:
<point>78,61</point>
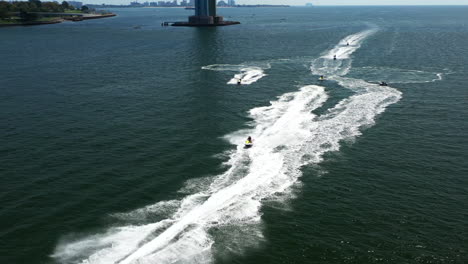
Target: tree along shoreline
<point>55,20</point>
<point>35,12</point>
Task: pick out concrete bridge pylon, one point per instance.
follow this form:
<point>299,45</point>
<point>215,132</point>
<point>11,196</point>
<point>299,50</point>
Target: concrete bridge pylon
<point>205,15</point>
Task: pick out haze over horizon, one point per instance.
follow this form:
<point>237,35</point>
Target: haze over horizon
<point>314,2</point>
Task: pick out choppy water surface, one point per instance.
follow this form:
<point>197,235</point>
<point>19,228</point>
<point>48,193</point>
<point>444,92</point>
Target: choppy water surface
<point>123,140</point>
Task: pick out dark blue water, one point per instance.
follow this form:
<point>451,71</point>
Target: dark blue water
<point>122,141</point>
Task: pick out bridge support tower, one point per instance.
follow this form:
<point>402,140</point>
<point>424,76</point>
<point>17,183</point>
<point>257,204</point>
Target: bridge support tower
<point>205,16</point>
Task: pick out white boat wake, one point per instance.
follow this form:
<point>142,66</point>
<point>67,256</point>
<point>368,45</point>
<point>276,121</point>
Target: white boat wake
<point>248,73</point>
<point>395,75</point>
<point>287,136</point>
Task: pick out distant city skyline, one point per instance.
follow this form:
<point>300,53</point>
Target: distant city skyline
<point>314,2</point>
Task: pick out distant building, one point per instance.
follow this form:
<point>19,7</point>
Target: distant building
<point>231,3</point>
<point>167,3</point>
<point>75,4</point>
<point>222,3</point>
<point>135,4</point>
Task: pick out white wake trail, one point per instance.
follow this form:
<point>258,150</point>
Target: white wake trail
<point>327,66</point>
<point>248,76</point>
<point>269,172</point>
<point>343,50</point>
<point>287,135</point>
<point>248,73</point>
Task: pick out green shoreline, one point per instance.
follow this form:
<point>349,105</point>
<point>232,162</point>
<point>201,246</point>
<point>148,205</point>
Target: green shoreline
<point>56,20</point>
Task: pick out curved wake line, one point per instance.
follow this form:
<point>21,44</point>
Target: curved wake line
<point>259,183</point>
<point>247,76</point>
<point>395,75</point>
<point>343,50</point>
<point>326,65</point>
<point>287,136</point>
<point>248,73</point>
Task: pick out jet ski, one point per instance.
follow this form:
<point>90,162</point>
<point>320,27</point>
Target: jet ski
<point>239,82</point>
<point>321,78</point>
<point>383,84</point>
<point>248,143</point>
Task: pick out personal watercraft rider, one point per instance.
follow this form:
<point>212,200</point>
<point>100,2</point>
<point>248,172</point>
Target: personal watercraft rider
<point>321,78</point>
<point>334,57</point>
<point>383,83</point>
<point>239,81</point>
<point>248,143</point>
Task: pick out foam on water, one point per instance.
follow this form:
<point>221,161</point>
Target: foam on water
<point>248,72</point>
<point>344,51</point>
<point>107,247</point>
<point>287,135</point>
<point>161,209</point>
<point>326,65</point>
<point>395,75</point>
<point>247,76</point>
